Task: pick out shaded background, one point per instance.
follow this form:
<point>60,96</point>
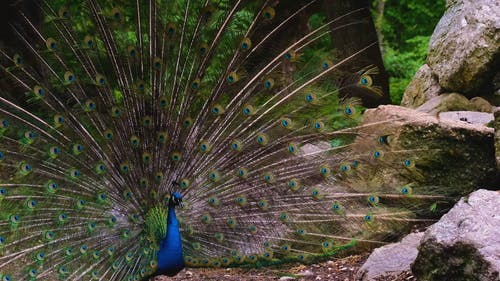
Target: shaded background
<point>404,28</point>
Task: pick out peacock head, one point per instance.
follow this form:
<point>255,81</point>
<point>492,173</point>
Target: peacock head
<point>175,199</point>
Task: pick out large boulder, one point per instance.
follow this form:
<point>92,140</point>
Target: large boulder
<point>465,243</point>
<point>454,155</point>
<point>391,260</point>
<point>422,88</point>
<point>464,50</point>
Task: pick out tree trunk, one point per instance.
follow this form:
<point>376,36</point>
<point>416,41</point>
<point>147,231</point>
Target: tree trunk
<point>351,32</point>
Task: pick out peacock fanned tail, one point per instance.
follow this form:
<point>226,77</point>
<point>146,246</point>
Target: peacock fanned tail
<point>114,105</point>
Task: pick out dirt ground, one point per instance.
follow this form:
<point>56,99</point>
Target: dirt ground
<point>343,269</point>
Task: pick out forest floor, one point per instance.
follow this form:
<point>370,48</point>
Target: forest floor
<point>343,269</point>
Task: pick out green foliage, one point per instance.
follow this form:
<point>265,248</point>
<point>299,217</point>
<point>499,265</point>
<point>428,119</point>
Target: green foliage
<point>407,19</point>
<point>406,27</point>
<point>402,65</point>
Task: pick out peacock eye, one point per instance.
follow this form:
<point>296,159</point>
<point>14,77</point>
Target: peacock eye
<point>406,190</point>
<point>18,60</point>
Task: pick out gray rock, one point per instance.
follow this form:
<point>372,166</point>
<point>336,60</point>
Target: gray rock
<point>465,243</point>
<point>471,117</point>
<point>439,149</point>
<point>311,149</point>
<point>285,278</point>
<point>422,88</point>
<point>306,272</point>
<point>391,260</point>
<point>446,102</point>
<point>464,48</point>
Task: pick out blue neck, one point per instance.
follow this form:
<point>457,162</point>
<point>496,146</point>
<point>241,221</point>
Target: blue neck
<point>170,259</point>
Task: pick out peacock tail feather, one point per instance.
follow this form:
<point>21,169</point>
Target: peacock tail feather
<point>123,98</point>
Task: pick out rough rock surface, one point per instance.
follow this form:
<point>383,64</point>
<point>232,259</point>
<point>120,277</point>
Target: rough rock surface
<point>422,88</point>
<point>464,49</point>
<point>480,104</point>
<point>446,102</point>
<point>495,98</point>
<point>465,243</point>
<point>471,117</point>
<point>497,136</point>
<point>392,259</point>
<point>439,148</point>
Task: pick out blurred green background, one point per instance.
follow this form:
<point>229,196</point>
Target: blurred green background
<point>405,27</point>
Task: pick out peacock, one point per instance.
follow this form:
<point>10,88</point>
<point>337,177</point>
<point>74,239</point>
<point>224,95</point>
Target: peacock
<point>141,137</point>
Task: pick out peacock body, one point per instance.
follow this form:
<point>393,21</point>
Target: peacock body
<point>131,111</point>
